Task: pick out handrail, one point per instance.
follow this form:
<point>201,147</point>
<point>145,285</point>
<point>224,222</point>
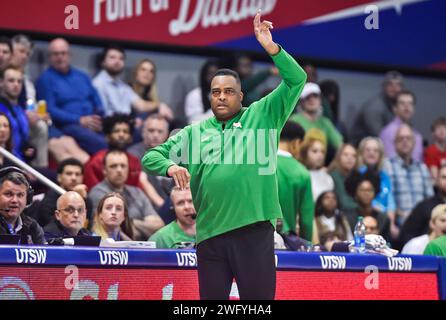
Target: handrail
<point>26,167</point>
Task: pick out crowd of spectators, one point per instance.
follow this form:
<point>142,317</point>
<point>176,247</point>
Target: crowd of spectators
<point>93,133</point>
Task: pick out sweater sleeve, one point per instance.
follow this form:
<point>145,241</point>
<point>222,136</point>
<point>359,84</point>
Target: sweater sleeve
<point>174,151</point>
<point>280,103</point>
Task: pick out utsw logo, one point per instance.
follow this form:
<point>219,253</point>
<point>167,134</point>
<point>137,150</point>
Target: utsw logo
<point>400,264</point>
<point>30,256</point>
<point>333,262</point>
<point>186,259</point>
<point>114,258</point>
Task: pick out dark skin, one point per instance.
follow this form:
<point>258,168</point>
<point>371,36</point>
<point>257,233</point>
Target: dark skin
<point>226,97</point>
<point>227,103</point>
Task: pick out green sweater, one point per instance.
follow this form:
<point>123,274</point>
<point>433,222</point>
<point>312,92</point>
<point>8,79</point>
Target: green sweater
<point>436,247</point>
<point>170,236</point>
<point>295,195</point>
<point>233,165</point>
<point>334,138</point>
<point>346,202</point>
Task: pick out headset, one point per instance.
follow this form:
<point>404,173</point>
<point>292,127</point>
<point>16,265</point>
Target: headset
<point>30,192</point>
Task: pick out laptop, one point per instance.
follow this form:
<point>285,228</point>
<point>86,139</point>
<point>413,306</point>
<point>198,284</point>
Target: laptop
<point>13,239</point>
<point>89,241</point>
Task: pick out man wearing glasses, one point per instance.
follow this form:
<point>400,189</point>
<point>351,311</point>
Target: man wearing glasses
<point>69,218</point>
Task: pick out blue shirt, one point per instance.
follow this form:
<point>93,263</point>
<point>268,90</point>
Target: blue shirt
<point>385,200</point>
<point>69,96</point>
<point>19,127</point>
<point>410,183</point>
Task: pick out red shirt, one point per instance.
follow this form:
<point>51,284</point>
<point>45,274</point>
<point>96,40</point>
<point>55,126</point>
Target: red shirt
<point>434,157</point>
<point>93,170</point>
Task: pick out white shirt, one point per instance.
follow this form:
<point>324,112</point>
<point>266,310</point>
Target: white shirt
<point>416,245</point>
<point>193,107</point>
<point>321,181</point>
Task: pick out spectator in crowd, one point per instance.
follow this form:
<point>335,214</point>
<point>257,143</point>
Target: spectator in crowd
<point>73,102</point>
<point>403,110</point>
<point>62,147</point>
<point>15,195</point>
<point>197,106</point>
<point>371,225</point>
<point>250,80</point>
<point>141,211</point>
<point>437,228</point>
<point>410,178</point>
<point>155,132</point>
<point>345,162</point>
<point>311,72</point>
<point>5,52</point>
<point>330,105</point>
<point>417,222</point>
<point>435,154</point>
<point>181,232</point>
<point>311,116</point>
<point>22,51</point>
<point>69,218</point>
<point>111,219</point>
<point>377,111</point>
<point>363,188</point>
<point>116,95</point>
<point>331,223</point>
<point>371,158</point>
<point>294,184</point>
<point>118,130</point>
<point>28,128</point>
<point>5,138</point>
<point>436,247</point>
<point>312,155</point>
<point>70,174</point>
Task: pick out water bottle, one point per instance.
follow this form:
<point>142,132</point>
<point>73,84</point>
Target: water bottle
<point>360,236</point>
<point>30,105</point>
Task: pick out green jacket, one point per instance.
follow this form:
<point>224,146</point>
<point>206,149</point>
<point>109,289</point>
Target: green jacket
<point>233,165</point>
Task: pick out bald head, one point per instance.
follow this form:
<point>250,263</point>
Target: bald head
<point>59,55</point>
<point>404,141</point>
<point>71,212</point>
<point>67,198</point>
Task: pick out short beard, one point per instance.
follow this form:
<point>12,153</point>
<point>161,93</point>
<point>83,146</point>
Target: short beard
<point>114,73</point>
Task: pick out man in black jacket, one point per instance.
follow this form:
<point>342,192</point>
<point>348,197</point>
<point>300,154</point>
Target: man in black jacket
<point>70,217</point>
<point>15,195</point>
<point>417,222</point>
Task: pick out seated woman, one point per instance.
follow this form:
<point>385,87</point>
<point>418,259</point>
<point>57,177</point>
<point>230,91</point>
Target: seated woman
<point>363,188</point>
<point>111,219</point>
<point>331,223</point>
<point>5,139</point>
<point>371,158</point>
<point>312,155</point>
<point>345,162</point>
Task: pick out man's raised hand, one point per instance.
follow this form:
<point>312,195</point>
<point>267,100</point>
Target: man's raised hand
<point>263,34</point>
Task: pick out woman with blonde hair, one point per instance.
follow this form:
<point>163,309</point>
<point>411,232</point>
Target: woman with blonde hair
<point>345,162</point>
<point>312,154</point>
<point>371,158</point>
<point>111,219</point>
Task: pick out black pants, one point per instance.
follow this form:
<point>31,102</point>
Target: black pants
<point>246,254</point>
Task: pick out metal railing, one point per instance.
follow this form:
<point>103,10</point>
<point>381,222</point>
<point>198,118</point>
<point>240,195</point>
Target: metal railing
<point>24,166</point>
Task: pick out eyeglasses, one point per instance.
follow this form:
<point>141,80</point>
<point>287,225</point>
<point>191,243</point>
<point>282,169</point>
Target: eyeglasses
<point>72,210</point>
